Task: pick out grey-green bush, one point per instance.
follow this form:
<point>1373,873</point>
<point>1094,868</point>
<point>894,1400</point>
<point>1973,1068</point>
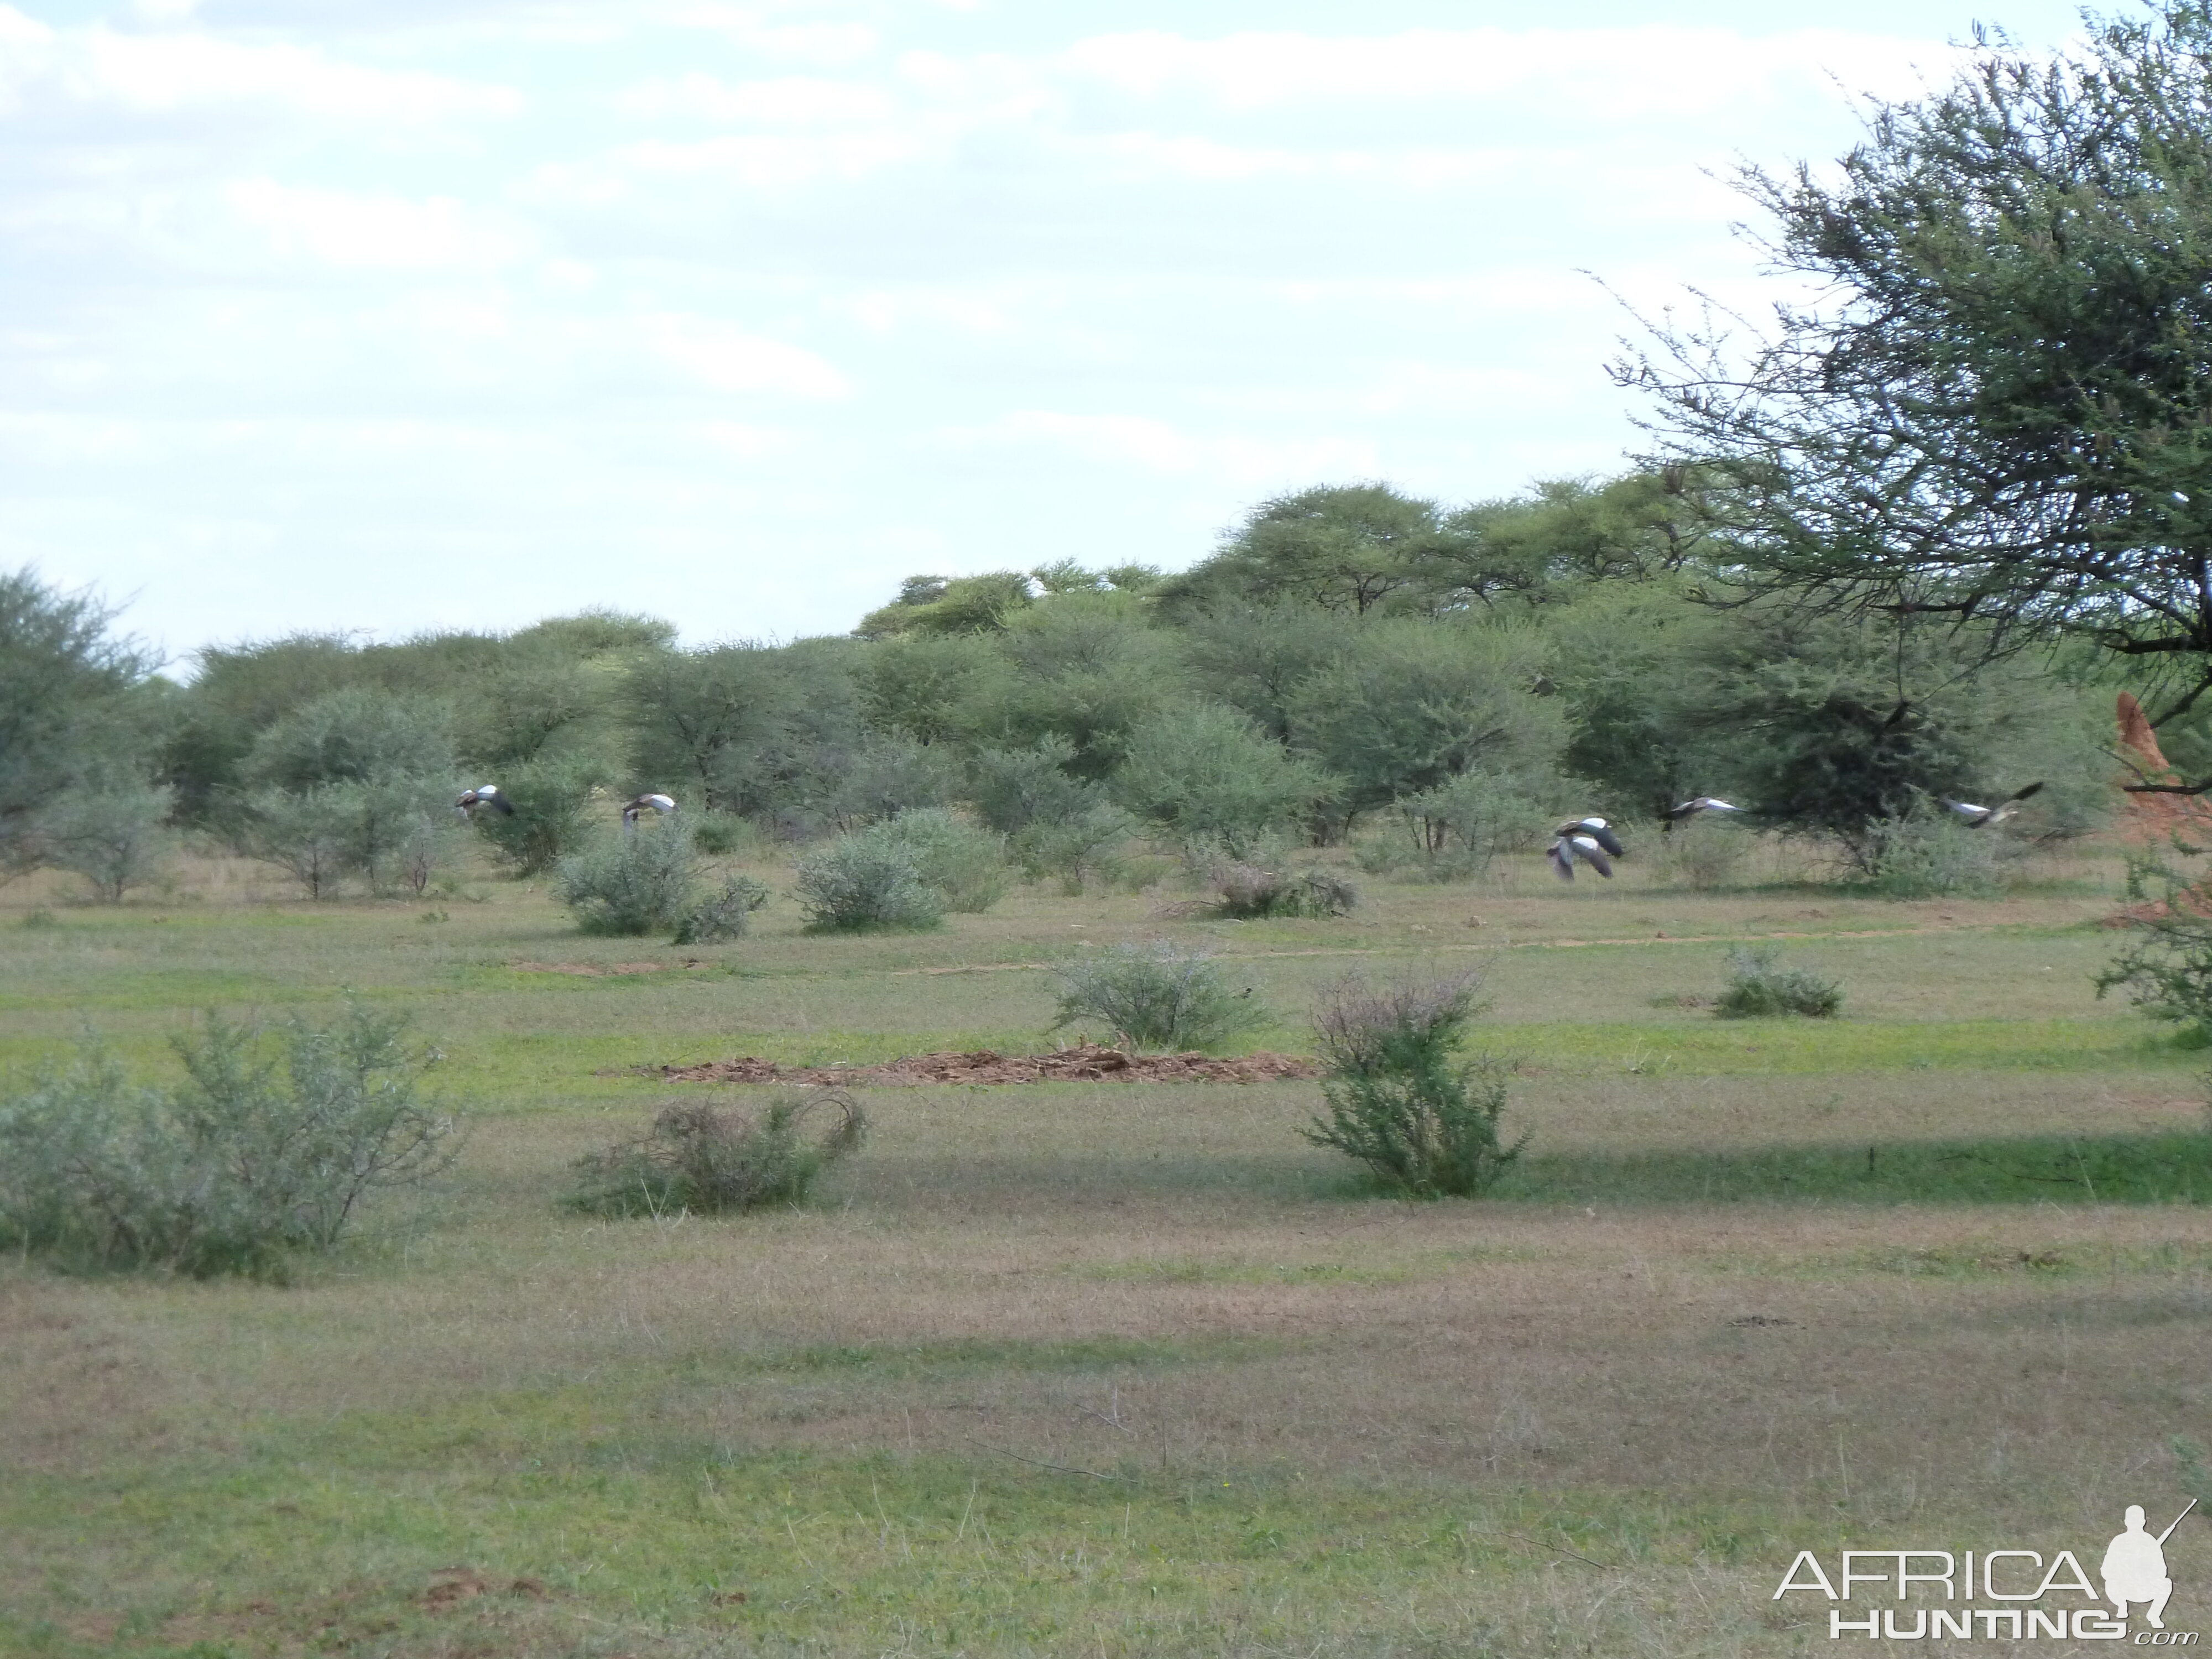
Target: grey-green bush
<point>552,817</point>
<point>866,882</point>
<point>248,1163</point>
<point>968,866</point>
<point>707,1161</point>
<point>1926,854</point>
<point>901,874</point>
<point>1759,986</point>
<point>633,884</point>
<point>1206,774</point>
<point>1156,996</point>
<point>1077,849</point>
<point>1424,1122</point>
<point>116,836</point>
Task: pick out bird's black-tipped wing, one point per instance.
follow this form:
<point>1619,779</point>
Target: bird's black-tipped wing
<point>501,804</point>
<point>1588,850</point>
<point>1604,837</point>
<point>2022,794</point>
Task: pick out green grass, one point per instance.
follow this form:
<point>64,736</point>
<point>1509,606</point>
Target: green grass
<point>1128,1369</point>
<point>2168,1168</point>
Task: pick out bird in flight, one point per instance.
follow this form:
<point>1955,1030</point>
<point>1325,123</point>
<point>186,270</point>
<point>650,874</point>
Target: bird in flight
<point>1690,809</point>
<point>1587,841</point>
<point>484,794</point>
<point>631,812</point>
<point>1976,817</point>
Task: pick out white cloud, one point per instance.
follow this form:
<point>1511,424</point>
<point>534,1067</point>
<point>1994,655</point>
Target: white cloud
<point>379,232</point>
<point>1157,447</point>
<point>154,73</point>
<point>728,360</point>
<point>773,162</point>
<point>1606,72</point>
<point>794,101</point>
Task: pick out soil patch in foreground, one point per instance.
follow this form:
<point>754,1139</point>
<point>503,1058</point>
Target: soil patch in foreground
<point>1087,1062</point>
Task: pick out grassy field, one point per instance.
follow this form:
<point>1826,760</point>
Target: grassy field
<point>1124,1370</point>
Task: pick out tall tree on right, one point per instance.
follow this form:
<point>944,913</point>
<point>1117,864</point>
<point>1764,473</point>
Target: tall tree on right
<point>1994,413</point>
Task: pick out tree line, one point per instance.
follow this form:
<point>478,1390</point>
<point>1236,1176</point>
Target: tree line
<point>1351,660</point>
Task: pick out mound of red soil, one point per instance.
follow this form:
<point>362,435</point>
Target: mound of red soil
<point>1087,1063</point>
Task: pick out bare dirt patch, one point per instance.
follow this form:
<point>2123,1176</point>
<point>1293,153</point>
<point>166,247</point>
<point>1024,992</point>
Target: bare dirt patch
<point>1087,1062</point>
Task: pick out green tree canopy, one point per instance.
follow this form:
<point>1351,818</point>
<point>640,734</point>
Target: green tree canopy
<point>1343,547</point>
<point>1996,406</point>
<point>71,698</point>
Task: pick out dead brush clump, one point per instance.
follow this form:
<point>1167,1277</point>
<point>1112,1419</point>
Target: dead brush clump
<point>1245,892</point>
<point>710,1160</point>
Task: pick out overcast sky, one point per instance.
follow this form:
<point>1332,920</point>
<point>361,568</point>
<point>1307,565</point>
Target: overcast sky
<point>381,315</point>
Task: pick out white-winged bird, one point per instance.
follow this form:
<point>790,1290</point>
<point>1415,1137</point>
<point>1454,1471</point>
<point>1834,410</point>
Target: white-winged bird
<point>1976,817</point>
<point>1569,847</point>
<point>484,794</point>
<point>1690,809</point>
<point>660,804</point>
<point>1596,828</point>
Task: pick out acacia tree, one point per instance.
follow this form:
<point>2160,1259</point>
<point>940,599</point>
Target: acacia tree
<point>1996,410</point>
<point>66,684</point>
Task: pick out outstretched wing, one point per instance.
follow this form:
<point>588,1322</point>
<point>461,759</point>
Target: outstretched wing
<point>1605,837</point>
<point>2022,794</point>
<point>1587,848</point>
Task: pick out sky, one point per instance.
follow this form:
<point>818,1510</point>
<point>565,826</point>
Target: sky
<point>381,316</point>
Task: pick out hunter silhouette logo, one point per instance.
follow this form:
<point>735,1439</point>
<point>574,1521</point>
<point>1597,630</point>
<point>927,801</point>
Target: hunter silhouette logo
<point>2018,1581</point>
<point>2135,1567</point>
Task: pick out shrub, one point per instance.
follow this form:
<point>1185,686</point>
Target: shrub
<point>1156,996</point>
<point>713,1162</point>
<point>632,884</point>
<point>305,833</point>
<point>862,883</point>
<point>1077,849</point>
<point>1014,788</point>
<point>726,915</point>
<point>1207,774</point>
<point>719,834</point>
<point>116,837</point>
<point>428,843</point>
<point>900,875</point>
<point>1927,855</point>
<point>552,817</point>
<point>1706,853</point>
<point>1245,892</point>
<point>1398,1098</point>
<point>1453,831</point>
<point>245,1163</point>
<point>2166,967</point>
<point>372,828</point>
<point>1760,986</point>
<point>966,865</point>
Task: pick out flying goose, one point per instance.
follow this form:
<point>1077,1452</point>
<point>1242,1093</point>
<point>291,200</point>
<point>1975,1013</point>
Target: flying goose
<point>661,803</point>
<point>1976,817</point>
<point>1690,809</point>
<point>484,794</point>
<point>1568,848</point>
<point>1596,829</point>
